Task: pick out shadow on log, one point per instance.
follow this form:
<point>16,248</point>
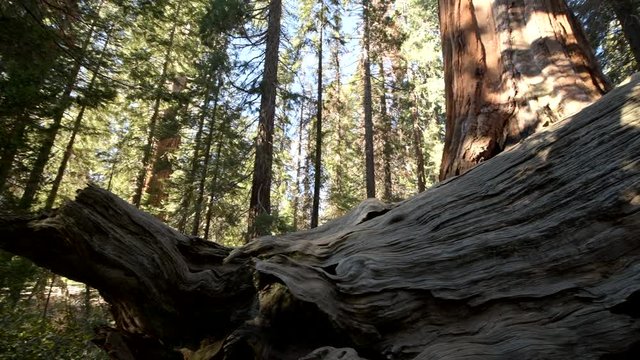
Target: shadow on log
<point>533,254</point>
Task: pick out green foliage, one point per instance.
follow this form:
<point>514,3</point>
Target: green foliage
<point>606,37</point>
<point>66,330</point>
<point>25,335</point>
<point>222,16</point>
<point>15,273</point>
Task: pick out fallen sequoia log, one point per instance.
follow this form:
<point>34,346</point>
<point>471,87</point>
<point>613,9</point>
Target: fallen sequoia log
<point>533,254</point>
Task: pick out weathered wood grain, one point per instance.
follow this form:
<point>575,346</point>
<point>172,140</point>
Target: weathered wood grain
<point>534,254</point>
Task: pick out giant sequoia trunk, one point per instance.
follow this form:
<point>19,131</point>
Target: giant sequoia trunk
<point>532,254</point>
<point>511,68</point>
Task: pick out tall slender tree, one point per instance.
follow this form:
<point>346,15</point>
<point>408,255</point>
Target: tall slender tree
<point>207,156</point>
<point>386,135</point>
<point>57,181</point>
<point>417,146</point>
<point>367,103</point>
<point>44,152</point>
<point>148,150</point>
<point>187,198</point>
<point>260,201</point>
<point>297,196</point>
<point>511,68</point>
<point>317,164</point>
<point>213,186</point>
<point>38,62</point>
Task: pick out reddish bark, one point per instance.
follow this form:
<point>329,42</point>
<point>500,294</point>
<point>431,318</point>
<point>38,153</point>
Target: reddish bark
<point>260,202</point>
<point>511,68</point>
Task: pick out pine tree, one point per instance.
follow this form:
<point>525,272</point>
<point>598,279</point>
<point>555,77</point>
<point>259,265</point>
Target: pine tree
<point>317,164</point>
<point>260,201</point>
<point>141,181</point>
<point>207,156</point>
<point>44,153</point>
<point>28,94</point>
<point>53,193</point>
<point>367,102</point>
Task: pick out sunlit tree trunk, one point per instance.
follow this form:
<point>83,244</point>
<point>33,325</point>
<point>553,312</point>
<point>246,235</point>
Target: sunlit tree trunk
<point>44,152</point>
<point>205,167</point>
<point>511,68</point>
<point>417,146</point>
<point>260,202</point>
<point>214,183</point>
<point>367,105</point>
<point>297,192</point>
<point>167,143</point>
<point>307,200</point>
<point>68,151</point>
<point>387,149</point>
<point>531,255</point>
<point>147,155</point>
<point>185,202</point>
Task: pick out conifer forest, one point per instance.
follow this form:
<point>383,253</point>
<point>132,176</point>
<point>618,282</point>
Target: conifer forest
<point>319,179</point>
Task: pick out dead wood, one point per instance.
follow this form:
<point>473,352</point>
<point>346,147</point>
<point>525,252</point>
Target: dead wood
<point>532,254</point>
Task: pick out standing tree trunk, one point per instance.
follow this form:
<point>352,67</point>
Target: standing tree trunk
<point>185,202</point>
<point>213,187</point>
<point>315,211</point>
<point>531,255</point>
<point>297,193</point>
<point>511,68</point>
<point>367,105</point>
<point>260,202</point>
<point>205,166</point>
<point>387,149</point>
<point>147,154</point>
<point>628,14</point>
<point>53,193</point>
<point>168,142</point>
<point>307,196</point>
<point>417,145</point>
<point>35,176</point>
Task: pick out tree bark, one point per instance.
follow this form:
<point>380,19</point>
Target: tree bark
<point>387,148</point>
<point>213,187</point>
<point>44,152</point>
<point>317,164</point>
<point>297,193</point>
<point>628,14</point>
<point>53,193</point>
<point>185,202</point>
<point>205,167</point>
<point>367,105</point>
<point>417,145</point>
<point>168,141</point>
<point>260,201</point>
<point>511,69</point>
<point>530,255</point>
<point>147,153</point>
